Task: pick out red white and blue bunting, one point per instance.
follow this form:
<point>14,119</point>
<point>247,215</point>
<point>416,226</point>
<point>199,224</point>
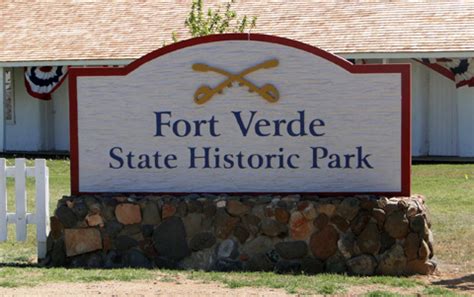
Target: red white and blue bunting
<point>461,71</point>
<point>42,81</point>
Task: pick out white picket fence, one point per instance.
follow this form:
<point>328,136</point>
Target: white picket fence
<point>21,217</point>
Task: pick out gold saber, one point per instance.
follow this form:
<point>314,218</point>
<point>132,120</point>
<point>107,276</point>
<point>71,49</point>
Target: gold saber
<point>267,91</point>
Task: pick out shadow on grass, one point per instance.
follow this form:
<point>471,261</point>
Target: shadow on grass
<point>21,265</point>
<point>464,283</point>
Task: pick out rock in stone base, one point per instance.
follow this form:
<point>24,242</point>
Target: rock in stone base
<point>147,230</point>
<point>151,214</point>
<point>300,227</point>
<point>136,259</point>
<point>359,235</point>
<point>112,228</point>
<point>282,215</point>
<point>369,239</point>
<point>80,241</point>
<point>273,256</point>
<point>336,264</point>
<point>224,224</point>
<point>362,265</point>
<point>113,260</point>
<point>236,208</point>
<point>323,244</point>
<point>272,227</point>
<point>320,222</point>
<point>261,244</point>
<point>80,209</point>
<point>56,228</point>
<point>360,222</point>
<point>251,224</point>
<point>169,239</point>
<point>227,265</point>
<point>340,223</point>
<point>78,261</point>
<point>128,213</point>
<point>311,266</point>
<point>202,240</point>
<point>165,263</point>
<point>124,243</point>
<point>393,261</point>
<point>228,249</point>
<point>424,251</point>
<point>90,260</point>
<point>192,224</point>
<point>95,220</point>
<point>348,208</point>
<point>292,249</point>
<point>326,209</point>
<point>386,242</point>
<point>288,266</point>
<point>259,262</point>
<point>66,216</point>
<point>379,215</point>
<point>241,233</point>
<point>200,260</point>
<point>58,254</point>
<point>421,267</point>
<point>417,224</point>
<point>396,225</point>
<point>168,210</point>
<point>347,245</point>
<point>411,246</point>
<point>95,260</point>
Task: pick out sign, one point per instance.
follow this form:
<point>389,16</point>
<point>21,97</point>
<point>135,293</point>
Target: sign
<point>241,113</point>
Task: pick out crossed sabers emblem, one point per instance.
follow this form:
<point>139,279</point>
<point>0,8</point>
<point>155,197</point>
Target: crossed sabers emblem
<point>205,93</point>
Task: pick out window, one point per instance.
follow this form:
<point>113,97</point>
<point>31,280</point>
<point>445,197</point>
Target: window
<point>9,102</point>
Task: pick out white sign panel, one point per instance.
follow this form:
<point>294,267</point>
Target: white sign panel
<point>227,113</point>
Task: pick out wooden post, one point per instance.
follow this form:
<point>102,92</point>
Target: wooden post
<point>42,205</point>
<point>20,198</point>
<point>3,201</point>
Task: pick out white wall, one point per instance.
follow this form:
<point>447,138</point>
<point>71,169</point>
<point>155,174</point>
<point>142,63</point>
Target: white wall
<point>443,116</point>
<point>465,108</point>
<point>27,133</point>
<point>420,115</point>
<point>39,125</point>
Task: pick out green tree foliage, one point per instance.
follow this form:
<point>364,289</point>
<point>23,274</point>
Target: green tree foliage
<point>202,23</point>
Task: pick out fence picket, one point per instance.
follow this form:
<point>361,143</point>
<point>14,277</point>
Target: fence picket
<point>21,218</point>
<point>3,201</point>
<point>42,205</point>
<point>20,199</point>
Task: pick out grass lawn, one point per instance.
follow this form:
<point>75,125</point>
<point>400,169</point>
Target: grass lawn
<point>450,194</point>
<point>449,190</point>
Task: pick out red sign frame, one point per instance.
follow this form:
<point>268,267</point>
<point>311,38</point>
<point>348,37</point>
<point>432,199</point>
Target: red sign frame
<point>402,69</point>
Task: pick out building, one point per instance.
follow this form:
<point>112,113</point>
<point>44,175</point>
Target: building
<point>435,38</point>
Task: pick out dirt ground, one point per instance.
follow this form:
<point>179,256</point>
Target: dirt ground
<point>179,285</point>
<point>157,288</point>
<point>142,288</point>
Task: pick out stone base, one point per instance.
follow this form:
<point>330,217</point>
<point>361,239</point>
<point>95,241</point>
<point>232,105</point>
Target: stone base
<point>362,235</point>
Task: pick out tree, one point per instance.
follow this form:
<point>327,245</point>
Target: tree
<point>200,23</point>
